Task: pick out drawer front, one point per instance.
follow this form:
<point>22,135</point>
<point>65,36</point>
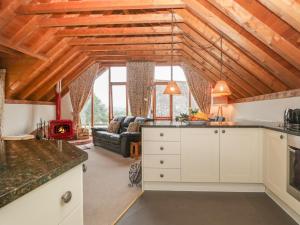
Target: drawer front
<point>162,161</point>
<point>44,203</point>
<point>162,175</point>
<point>157,148</point>
<point>161,134</point>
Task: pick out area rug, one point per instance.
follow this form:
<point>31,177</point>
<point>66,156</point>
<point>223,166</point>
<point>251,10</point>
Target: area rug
<point>105,187</point>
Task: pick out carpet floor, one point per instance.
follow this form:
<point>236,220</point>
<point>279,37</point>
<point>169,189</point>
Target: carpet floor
<point>205,208</point>
<point>105,187</point>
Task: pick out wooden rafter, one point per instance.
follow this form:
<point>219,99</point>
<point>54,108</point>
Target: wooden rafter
<point>260,30</point>
<point>134,47</point>
<point>117,31</point>
<point>151,18</point>
<point>87,6</point>
<point>287,10</point>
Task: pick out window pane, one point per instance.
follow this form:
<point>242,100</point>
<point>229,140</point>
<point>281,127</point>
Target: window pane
<point>162,73</point>
<point>194,104</point>
<point>178,74</point>
<point>162,102</point>
<point>85,114</point>
<point>101,99</point>
<point>119,100</point>
<point>118,74</point>
<point>181,102</point>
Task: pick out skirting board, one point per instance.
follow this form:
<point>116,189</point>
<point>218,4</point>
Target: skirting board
<point>284,206</point>
<point>208,187</point>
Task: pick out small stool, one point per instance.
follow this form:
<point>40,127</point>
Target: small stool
<point>135,149</point>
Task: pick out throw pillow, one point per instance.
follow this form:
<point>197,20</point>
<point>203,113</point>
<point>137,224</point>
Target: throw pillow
<point>133,127</point>
<point>113,127</point>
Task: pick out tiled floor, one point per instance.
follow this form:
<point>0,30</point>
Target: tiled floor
<point>205,208</point>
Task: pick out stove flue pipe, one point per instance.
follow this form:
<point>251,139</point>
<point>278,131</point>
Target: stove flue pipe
<point>58,100</point>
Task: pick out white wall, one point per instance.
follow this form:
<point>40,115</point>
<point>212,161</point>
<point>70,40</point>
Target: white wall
<point>21,119</point>
<point>268,110</point>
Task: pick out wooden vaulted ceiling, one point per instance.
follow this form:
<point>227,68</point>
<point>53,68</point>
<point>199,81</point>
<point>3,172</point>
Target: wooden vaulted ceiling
<point>44,41</point>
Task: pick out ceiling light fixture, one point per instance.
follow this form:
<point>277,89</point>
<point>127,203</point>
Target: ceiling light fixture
<point>172,87</point>
<point>221,88</point>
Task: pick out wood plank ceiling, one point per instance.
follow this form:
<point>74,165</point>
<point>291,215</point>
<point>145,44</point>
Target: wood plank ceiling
<point>44,41</point>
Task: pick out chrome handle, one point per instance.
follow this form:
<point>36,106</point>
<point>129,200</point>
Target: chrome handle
<point>216,131</point>
<point>66,198</point>
<point>161,134</point>
<point>161,161</point>
<point>281,136</point>
<point>84,168</point>
<point>161,175</point>
<point>223,131</point>
<point>161,148</point>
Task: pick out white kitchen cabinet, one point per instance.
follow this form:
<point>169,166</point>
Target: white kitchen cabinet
<point>200,155</point>
<point>240,155</point>
<point>275,162</point>
<point>75,218</point>
<point>44,205</point>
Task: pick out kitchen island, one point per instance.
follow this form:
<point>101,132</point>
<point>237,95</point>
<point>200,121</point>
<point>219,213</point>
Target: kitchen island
<point>231,157</point>
<point>41,183</point>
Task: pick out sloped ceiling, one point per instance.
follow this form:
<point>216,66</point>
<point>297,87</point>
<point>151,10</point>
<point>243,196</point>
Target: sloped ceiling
<point>44,41</point>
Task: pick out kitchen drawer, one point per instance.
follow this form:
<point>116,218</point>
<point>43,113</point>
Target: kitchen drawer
<point>44,205</point>
<point>161,134</point>
<point>162,175</point>
<point>155,148</point>
<point>162,161</point>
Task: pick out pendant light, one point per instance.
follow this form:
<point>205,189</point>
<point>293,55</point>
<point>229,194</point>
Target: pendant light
<point>172,87</point>
<point>221,88</point>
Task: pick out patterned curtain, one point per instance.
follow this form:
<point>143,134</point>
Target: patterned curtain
<point>80,90</point>
<point>2,97</point>
<point>140,76</point>
<point>200,88</point>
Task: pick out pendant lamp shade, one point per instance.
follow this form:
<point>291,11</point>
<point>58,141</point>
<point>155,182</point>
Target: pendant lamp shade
<point>172,88</point>
<point>221,89</point>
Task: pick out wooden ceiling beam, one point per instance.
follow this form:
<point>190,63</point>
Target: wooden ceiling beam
<point>135,53</point>
<point>43,78</point>
<point>60,75</point>
<point>7,43</point>
<point>214,66</point>
<point>131,47</point>
<point>10,51</point>
<point>208,74</point>
<point>117,31</point>
<point>151,18</point>
<point>126,40</point>
<point>104,5</point>
<point>253,52</point>
<point>136,57</point>
<point>260,30</point>
<point>56,52</point>
<point>286,10</point>
<point>202,45</point>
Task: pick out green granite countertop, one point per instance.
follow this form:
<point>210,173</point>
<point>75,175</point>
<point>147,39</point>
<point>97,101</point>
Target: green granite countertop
<point>26,165</point>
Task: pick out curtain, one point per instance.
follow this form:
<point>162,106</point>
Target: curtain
<point>80,90</point>
<point>200,88</point>
<point>140,77</point>
<point>2,97</point>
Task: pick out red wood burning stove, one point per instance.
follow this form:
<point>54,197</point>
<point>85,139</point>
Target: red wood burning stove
<point>61,129</point>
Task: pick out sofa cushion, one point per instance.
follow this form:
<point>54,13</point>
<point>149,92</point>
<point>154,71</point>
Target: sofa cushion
<point>140,120</point>
<point>119,118</point>
<point>128,120</point>
<point>133,127</point>
<point>114,127</point>
<point>107,137</point>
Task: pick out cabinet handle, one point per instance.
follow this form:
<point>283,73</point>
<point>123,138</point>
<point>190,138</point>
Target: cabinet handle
<point>84,168</point>
<point>161,175</point>
<point>161,161</point>
<point>66,198</point>
<point>161,134</point>
<point>216,131</point>
<point>223,131</point>
<point>161,148</point>
<point>281,136</point>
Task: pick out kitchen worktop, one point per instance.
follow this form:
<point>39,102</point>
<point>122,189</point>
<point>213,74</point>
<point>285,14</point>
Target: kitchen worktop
<point>28,164</point>
<point>243,124</point>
